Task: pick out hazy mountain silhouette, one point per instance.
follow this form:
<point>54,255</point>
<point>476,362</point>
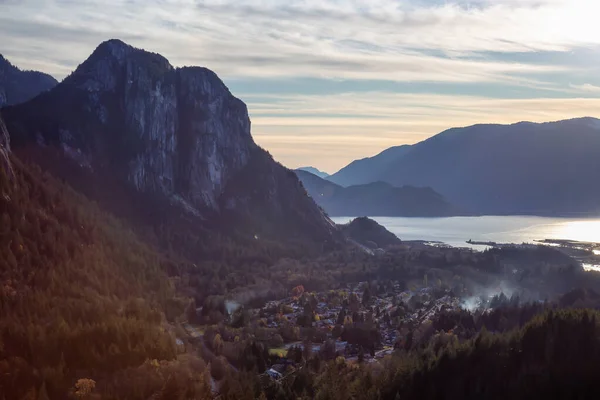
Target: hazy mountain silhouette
<point>368,169</point>
<point>314,171</point>
<point>524,168</point>
<point>375,199</point>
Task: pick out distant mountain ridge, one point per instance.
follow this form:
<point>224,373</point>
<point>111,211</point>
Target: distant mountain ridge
<point>375,199</point>
<point>314,171</point>
<point>17,86</point>
<point>368,169</point>
<point>523,168</point>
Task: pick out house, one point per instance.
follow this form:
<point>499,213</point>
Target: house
<point>274,374</point>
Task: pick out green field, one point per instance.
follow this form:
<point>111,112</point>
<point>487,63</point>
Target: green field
<point>279,351</point>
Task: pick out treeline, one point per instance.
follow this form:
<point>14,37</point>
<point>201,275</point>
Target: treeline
<point>464,354</point>
<point>552,356</point>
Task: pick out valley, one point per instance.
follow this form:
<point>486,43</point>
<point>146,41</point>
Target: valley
<point>150,249</point>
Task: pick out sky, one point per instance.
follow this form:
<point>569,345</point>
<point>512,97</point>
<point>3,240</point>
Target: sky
<point>330,81</point>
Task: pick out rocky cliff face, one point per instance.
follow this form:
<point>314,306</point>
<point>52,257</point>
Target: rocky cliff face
<point>4,148</point>
<point>178,132</point>
<point>17,86</point>
<point>4,138</point>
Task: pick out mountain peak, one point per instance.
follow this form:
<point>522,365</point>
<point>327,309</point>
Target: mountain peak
<point>112,59</point>
<point>120,50</point>
<point>314,171</point>
<point>115,43</point>
<point>114,47</point>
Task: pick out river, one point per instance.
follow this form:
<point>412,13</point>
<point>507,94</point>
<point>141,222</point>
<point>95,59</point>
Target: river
<point>455,231</point>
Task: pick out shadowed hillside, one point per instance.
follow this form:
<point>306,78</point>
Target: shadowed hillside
<point>375,199</point>
<point>17,86</point>
<point>524,168</point>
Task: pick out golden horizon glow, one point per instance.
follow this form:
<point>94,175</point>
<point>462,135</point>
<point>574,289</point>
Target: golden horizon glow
<point>330,143</point>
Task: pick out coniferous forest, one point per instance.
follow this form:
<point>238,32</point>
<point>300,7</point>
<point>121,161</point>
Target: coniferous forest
<point>92,308</point>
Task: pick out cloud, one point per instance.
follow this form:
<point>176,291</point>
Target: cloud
<point>525,46</point>
<point>586,88</point>
<point>332,39</point>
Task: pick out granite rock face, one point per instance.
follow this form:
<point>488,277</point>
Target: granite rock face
<point>177,132</point>
<point>163,129</point>
<point>4,138</point>
<point>4,148</point>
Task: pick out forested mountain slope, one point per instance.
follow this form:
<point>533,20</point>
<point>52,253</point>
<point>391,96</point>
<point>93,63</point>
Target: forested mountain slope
<point>368,169</point>
<point>17,86</point>
<point>80,295</point>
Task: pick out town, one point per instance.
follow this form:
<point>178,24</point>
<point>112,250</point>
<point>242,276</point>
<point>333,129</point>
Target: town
<point>364,317</point>
<point>363,323</point>
<point>369,311</point>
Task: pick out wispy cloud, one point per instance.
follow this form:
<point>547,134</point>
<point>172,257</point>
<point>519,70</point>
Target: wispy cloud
<point>586,88</point>
<point>345,39</point>
<point>529,48</point>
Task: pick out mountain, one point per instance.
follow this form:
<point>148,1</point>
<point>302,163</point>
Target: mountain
<point>129,193</point>
<point>523,168</point>
<point>369,233</point>
<point>375,199</point>
<point>368,169</point>
<point>314,171</point>
<point>128,116</point>
<point>316,186</point>
<point>17,86</point>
